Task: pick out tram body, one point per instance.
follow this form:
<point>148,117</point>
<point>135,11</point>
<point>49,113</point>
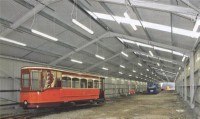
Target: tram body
<point>47,87</point>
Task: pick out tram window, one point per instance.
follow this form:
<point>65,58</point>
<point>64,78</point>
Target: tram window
<point>96,83</point>
<point>66,82</point>
<point>90,83</point>
<point>35,80</point>
<point>44,78</point>
<point>25,80</point>
<point>75,83</point>
<point>58,79</point>
<point>83,83</point>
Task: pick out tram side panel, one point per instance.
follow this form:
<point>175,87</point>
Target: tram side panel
<point>38,92</point>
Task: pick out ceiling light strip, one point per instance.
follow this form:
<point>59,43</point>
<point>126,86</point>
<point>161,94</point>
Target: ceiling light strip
<point>12,41</point>
<point>150,46</point>
<point>150,25</point>
<point>139,64</point>
<point>150,53</point>
<point>76,61</point>
<point>44,35</point>
<point>183,59</point>
<point>134,71</point>
<point>82,26</point>
<point>104,68</point>
<point>100,57</point>
<point>123,53</point>
<point>144,45</point>
<point>120,73</point>
<point>162,49</point>
<point>122,66</point>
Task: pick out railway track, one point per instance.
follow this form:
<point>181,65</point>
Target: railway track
<point>46,111</point>
<point>27,115</point>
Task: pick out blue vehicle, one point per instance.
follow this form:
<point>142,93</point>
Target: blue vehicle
<point>153,88</point>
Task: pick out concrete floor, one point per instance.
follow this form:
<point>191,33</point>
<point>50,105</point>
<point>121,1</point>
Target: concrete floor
<point>161,106</point>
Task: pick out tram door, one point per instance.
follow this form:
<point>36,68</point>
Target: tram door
<point>35,80</point>
<point>101,88</point>
<point>25,80</point>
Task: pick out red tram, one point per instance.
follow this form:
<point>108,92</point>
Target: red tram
<point>48,87</point>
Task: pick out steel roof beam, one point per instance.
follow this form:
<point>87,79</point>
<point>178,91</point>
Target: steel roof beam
<point>152,62</point>
<point>91,67</point>
<point>130,50</point>
<point>179,63</point>
<point>117,54</point>
<point>178,49</point>
<point>79,49</point>
<point>178,10</point>
<point>27,16</point>
<point>191,5</point>
<point>54,18</point>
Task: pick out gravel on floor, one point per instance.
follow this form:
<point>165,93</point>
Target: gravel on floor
<point>164,105</point>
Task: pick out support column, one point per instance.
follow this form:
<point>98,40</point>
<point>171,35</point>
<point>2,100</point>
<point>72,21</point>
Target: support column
<point>191,80</point>
<point>185,83</point>
<point>182,88</point>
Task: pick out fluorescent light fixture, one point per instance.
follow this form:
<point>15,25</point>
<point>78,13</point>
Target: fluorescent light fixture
<point>131,23</point>
<point>165,60</point>
<point>130,75</point>
<point>12,41</point>
<point>177,53</point>
<point>150,53</point>
<point>139,64</point>
<point>162,49</point>
<point>162,70</point>
<point>134,71</point>
<point>144,45</point>
<point>122,66</point>
<point>150,25</point>
<point>183,59</point>
<point>147,69</point>
<point>120,73</point>
<point>143,54</point>
<point>124,54</point>
<point>125,40</point>
<point>44,35</point>
<point>100,57</point>
<point>76,61</point>
<point>149,46</point>
<point>179,68</point>
<point>104,68</point>
<point>158,64</point>
<point>82,26</point>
